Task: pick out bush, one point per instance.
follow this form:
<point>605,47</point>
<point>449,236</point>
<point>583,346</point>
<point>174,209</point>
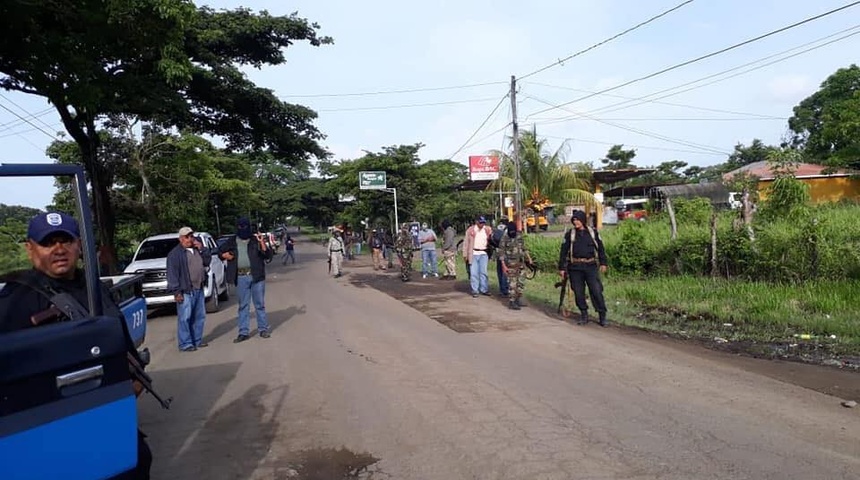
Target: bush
<point>544,251</point>
<point>817,242</point>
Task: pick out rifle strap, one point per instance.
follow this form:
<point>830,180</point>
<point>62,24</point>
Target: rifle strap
<point>572,235</point>
<point>68,304</point>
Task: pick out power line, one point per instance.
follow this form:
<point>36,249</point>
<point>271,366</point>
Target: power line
<point>703,57</point>
<point>640,131</point>
<point>644,147</point>
<point>620,34</point>
<point>665,119</point>
<point>22,132</point>
<point>411,105</point>
<point>394,92</point>
<point>671,104</point>
<point>53,137</point>
<point>465,144</point>
<point>645,99</point>
<point>15,123</point>
<point>4,97</point>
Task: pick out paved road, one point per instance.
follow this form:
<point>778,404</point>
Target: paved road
<point>355,384</point>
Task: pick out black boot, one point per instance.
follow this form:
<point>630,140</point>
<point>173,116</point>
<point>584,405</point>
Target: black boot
<point>583,318</point>
<point>603,321</point>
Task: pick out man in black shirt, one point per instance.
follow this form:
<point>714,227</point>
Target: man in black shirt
<point>54,247</point>
<point>581,256</point>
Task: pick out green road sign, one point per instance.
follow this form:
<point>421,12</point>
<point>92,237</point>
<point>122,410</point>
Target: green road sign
<point>371,180</point>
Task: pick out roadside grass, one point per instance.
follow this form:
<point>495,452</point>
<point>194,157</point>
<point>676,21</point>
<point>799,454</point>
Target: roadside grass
<point>824,313</point>
<point>706,309</point>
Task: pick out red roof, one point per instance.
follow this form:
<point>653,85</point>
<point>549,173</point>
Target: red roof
<point>764,171</point>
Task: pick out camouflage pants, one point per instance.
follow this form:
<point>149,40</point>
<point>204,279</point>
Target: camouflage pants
<point>405,265</point>
<point>516,280</point>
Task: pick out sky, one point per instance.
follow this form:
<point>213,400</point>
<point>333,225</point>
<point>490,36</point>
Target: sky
<point>389,46</point>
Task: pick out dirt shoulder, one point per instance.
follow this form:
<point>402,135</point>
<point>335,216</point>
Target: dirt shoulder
<point>448,302</point>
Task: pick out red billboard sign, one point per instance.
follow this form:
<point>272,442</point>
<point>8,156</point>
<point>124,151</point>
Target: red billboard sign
<point>483,167</point>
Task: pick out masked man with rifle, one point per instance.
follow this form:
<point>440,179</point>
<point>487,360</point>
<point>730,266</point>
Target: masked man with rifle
<point>53,247</point>
<point>581,258</point>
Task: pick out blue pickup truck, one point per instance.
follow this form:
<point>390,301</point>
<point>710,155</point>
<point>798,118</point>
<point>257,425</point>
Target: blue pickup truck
<point>67,389</point>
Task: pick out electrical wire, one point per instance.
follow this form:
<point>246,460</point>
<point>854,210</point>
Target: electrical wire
<point>53,137</point>
<point>645,99</point>
<point>492,112</point>
<point>646,133</point>
<point>620,34</point>
<point>394,92</point>
<point>16,123</point>
<point>702,57</point>
<point>644,147</point>
<point>671,104</point>
<point>411,105</point>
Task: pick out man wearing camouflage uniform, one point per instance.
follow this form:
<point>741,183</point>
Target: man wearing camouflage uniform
<point>403,246</point>
<point>512,256</point>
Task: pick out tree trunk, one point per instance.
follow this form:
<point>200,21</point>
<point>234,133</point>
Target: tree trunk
<point>714,270</point>
<point>105,221</point>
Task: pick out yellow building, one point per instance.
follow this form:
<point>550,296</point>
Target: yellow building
<point>829,187</point>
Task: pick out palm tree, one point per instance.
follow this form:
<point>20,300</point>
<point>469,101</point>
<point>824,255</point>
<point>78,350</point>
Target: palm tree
<point>545,177</point>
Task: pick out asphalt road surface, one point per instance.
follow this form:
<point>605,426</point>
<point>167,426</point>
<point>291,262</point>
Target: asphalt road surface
<point>355,383</point>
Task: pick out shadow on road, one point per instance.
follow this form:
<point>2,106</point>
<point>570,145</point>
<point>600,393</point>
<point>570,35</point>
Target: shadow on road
<point>234,440</point>
<point>195,391</point>
<point>275,319</point>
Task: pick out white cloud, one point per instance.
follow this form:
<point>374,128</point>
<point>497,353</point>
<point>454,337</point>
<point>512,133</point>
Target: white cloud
<point>474,45</point>
<point>791,87</point>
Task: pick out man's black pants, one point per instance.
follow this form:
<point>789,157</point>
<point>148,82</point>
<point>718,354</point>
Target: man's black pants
<point>587,274</point>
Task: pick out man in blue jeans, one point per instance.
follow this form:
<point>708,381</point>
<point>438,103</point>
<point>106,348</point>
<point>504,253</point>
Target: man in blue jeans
<point>427,240</point>
<point>247,271</point>
<point>185,276</point>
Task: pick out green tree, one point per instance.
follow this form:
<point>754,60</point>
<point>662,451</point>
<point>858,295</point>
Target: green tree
<point>744,155</point>
<point>826,125</point>
<point>160,60</point>
<point>546,176</point>
<point>787,197</point>
<point>618,159</point>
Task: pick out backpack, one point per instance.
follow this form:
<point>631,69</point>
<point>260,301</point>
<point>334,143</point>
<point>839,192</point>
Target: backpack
<point>495,240</point>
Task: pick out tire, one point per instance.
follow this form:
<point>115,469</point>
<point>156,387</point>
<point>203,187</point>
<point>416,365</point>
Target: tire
<point>212,303</point>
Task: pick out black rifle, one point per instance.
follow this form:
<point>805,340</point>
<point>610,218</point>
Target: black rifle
<point>563,284</point>
<point>64,305</point>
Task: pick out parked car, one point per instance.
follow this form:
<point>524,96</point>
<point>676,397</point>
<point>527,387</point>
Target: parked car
<point>150,259</point>
<point>632,209</point>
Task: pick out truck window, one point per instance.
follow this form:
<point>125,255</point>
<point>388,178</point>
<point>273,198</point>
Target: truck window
<point>151,249</point>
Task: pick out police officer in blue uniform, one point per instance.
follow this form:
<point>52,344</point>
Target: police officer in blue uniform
<point>53,247</point>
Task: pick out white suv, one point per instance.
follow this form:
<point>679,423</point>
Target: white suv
<point>150,259</point>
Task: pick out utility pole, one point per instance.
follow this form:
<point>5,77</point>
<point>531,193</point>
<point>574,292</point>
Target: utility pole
<point>518,197</point>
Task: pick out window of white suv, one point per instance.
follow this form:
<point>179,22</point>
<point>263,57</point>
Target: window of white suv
<point>152,249</point>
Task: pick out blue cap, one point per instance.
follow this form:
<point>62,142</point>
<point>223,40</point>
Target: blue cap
<point>482,220</point>
<point>45,224</point>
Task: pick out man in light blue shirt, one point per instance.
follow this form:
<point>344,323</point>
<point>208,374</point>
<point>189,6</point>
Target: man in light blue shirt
<point>427,240</point>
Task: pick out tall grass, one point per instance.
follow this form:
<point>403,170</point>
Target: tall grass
<point>822,243</point>
<point>800,277</point>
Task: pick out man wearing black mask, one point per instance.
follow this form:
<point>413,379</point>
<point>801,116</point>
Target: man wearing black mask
<point>581,257</point>
<point>248,274</point>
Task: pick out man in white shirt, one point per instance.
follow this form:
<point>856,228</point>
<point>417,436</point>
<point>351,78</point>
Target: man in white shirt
<point>475,255</point>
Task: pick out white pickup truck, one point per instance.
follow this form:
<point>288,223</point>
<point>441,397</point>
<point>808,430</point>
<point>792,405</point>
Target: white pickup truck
<point>150,260</point>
